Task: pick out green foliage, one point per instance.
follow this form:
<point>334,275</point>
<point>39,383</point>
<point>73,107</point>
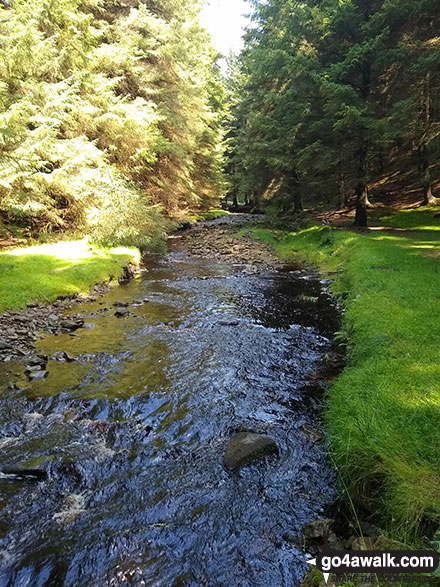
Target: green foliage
<point>128,219</point>
<point>103,99</point>
<point>326,94</point>
<point>383,417</point>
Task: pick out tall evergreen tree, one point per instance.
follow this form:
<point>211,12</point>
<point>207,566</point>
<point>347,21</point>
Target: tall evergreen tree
<point>328,92</point>
<point>106,106</point>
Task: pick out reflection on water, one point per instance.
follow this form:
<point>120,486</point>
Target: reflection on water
<point>132,435</point>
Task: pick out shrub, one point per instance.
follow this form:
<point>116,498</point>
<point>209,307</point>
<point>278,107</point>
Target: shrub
<point>125,217</point>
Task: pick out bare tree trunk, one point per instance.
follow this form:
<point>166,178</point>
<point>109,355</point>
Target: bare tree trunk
<point>361,219</point>
<point>368,204</point>
<point>297,201</point>
<point>429,198</point>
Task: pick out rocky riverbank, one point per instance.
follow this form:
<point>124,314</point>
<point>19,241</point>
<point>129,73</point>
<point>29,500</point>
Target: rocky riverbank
<point>20,329</point>
<point>227,243</point>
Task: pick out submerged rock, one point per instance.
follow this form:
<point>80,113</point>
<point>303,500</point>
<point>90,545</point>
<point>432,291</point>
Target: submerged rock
<point>73,324</point>
<point>37,375</point>
<point>72,509</point>
<point>24,473</point>
<point>36,361</point>
<point>122,311</point>
<point>246,447</point>
<point>229,322</point>
<point>63,357</point>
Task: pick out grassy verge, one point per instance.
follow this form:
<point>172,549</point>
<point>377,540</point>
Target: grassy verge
<point>384,411</point>
<point>213,214</point>
<point>46,272</point>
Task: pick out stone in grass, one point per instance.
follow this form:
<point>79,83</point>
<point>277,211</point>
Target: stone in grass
<point>378,543</point>
<point>246,447</point>
<point>318,529</point>
<point>121,311</point>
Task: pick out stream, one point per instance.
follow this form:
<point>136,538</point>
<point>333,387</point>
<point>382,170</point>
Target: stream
<point>130,437</point>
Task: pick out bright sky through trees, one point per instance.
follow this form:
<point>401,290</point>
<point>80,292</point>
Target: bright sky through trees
<point>225,20</point>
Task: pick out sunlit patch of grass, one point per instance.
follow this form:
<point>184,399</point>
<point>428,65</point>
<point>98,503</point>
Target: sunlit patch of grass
<point>421,219</point>
<point>45,272</point>
<point>383,418</point>
<point>213,214</point>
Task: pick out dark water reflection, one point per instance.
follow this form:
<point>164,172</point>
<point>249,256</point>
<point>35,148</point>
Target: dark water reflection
<point>132,436</point>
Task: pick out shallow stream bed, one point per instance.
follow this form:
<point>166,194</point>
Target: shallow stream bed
<point>132,434</point>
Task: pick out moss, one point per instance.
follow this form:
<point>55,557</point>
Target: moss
<point>213,214</point>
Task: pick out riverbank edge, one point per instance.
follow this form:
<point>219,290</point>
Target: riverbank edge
<point>401,498</point>
<point>81,273</point>
<point>43,274</point>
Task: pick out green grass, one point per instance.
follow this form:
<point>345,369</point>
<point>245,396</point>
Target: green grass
<point>383,417</point>
<point>44,273</point>
<point>419,219</point>
<point>213,214</point>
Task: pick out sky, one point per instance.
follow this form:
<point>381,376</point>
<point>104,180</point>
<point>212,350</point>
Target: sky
<point>225,21</point>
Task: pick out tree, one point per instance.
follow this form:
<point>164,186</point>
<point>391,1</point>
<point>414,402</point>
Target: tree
<point>105,102</point>
<point>319,83</point>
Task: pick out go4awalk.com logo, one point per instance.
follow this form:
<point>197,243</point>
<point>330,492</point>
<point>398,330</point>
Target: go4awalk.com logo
<point>414,564</point>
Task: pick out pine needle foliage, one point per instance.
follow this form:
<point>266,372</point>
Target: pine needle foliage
<point>327,96</point>
<point>110,117</point>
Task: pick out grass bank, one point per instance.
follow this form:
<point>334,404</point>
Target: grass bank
<point>46,272</point>
<point>383,418</point>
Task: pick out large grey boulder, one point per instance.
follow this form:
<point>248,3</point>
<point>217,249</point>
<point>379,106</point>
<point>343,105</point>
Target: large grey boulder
<point>246,447</point>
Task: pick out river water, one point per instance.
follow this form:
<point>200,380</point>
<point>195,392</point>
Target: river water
<point>131,436</point>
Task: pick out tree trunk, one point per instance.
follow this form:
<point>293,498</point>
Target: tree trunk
<point>361,219</point>
<point>430,199</point>
<point>234,199</point>
<point>297,201</point>
<point>368,204</point>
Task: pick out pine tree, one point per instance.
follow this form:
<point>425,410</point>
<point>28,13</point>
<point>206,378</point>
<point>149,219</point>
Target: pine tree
<point>105,102</point>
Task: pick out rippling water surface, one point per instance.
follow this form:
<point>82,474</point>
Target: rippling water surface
<point>132,435</point>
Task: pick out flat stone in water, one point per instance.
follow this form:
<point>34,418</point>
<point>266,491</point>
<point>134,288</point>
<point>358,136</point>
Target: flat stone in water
<point>23,473</point>
<point>246,447</point>
<point>36,375</point>
<point>72,324</point>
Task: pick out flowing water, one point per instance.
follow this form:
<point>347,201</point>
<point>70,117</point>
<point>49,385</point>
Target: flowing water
<point>132,435</point>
